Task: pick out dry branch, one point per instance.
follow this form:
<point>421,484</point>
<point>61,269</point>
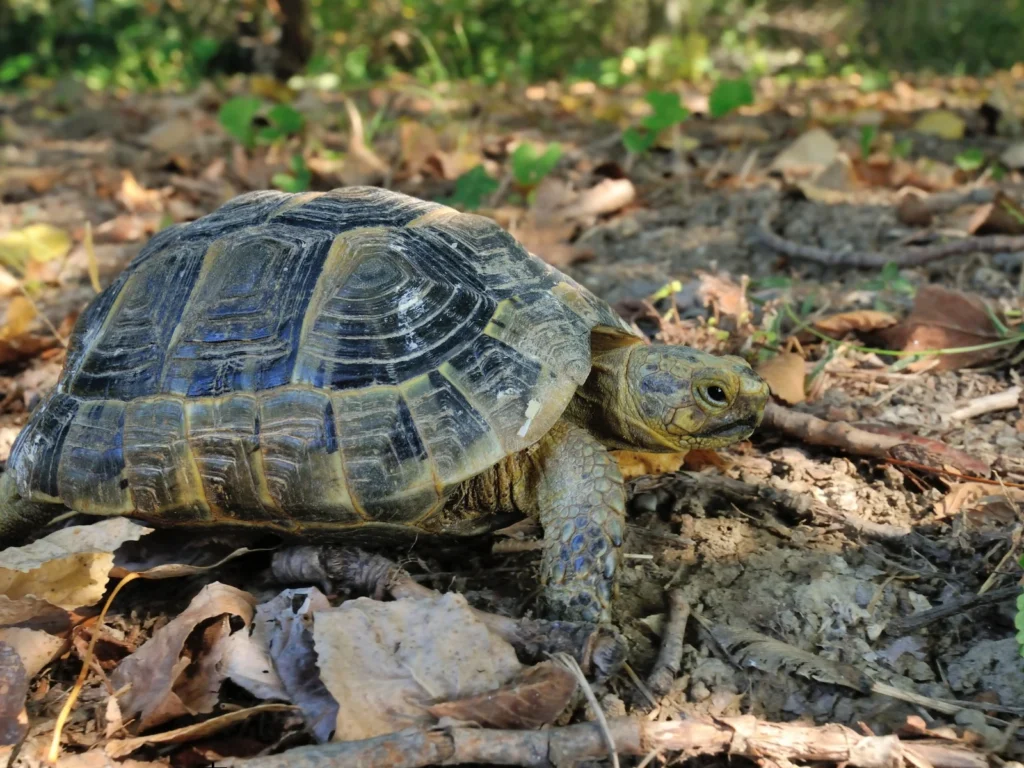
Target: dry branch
<point>832,434</point>
<point>746,736</point>
<point>599,650</point>
<point>999,401</point>
<point>904,257</point>
<point>920,620</point>
<point>670,657</point>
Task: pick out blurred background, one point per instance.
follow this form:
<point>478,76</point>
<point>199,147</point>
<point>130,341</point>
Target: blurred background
<point>175,43</point>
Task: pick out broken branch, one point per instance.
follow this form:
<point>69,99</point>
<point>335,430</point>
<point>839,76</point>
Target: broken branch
<point>670,656</point>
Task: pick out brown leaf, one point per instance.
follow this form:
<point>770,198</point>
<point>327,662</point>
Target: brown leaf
<point>180,668</point>
<point>1003,216</point>
<point>194,732</point>
<point>785,376</point>
<point>608,196</point>
<point>944,319</point>
<point>635,464</point>
<point>35,647</point>
<point>532,699</point>
<point>914,211</point>
<point>13,690</point>
<point>861,320</point>
<point>138,199</point>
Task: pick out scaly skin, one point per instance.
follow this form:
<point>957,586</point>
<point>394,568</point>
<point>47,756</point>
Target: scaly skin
<point>17,516</point>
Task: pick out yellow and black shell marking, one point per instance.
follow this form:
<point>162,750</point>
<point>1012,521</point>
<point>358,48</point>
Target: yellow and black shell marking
<point>306,362</point>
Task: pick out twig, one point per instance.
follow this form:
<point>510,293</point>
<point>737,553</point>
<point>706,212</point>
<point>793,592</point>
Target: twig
<point>746,736</point>
<point>599,650</point>
<point>1000,401</point>
<point>602,722</point>
<point>670,656</point>
<point>904,257</point>
<point>922,619</point>
<point>833,434</point>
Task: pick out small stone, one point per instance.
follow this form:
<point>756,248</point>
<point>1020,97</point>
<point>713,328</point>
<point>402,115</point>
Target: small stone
<point>699,691</point>
<point>644,502</point>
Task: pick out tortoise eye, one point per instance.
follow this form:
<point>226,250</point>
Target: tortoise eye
<point>716,394</point>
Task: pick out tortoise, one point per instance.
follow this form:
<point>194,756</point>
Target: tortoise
<point>322,365</point>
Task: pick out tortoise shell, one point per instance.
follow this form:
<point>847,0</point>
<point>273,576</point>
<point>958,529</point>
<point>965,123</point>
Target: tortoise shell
<point>309,361</point>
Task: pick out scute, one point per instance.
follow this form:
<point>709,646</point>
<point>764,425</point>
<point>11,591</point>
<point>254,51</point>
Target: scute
<point>337,358</point>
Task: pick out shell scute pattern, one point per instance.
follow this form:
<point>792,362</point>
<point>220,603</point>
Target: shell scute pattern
<point>340,358</point>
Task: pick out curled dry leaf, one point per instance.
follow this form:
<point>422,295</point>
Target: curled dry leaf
<point>38,243</point>
<point>70,567</point>
<point>785,376</point>
<point>635,464</point>
<point>943,319</point>
<point>180,668</point>
<point>860,321</point>
<point>385,662</point>
<point>13,690</point>
<point>35,647</point>
<point>942,123</point>
<point>1003,216</point>
<point>530,700</point>
<point>194,732</point>
<point>810,153</point>
<point>278,660</point>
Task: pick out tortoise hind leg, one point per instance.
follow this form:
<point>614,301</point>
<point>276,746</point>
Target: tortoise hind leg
<point>18,516</point>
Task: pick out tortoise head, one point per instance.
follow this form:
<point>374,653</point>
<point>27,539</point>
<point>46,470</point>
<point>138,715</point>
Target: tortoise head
<point>683,398</point>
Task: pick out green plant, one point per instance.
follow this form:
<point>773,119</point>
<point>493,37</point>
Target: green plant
<point>236,116</point>
<point>296,181</point>
<point>471,188</point>
<point>970,159</point>
<point>867,139</point>
<point>667,111</point>
<point>729,95</point>
<point>890,279</point>
<point>284,122</point>
<point>903,148</point>
<point>530,166</point>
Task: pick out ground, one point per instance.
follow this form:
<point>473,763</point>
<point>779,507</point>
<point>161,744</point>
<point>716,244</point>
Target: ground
<point>802,570</point>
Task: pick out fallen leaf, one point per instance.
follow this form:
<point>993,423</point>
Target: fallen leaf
<point>859,320</point>
<point>138,199</point>
<point>1013,156</point>
<point>608,196</point>
<point>18,318</point>
<point>179,670</point>
<point>725,296</point>
<point>35,243</point>
<point>36,648</point>
<point>97,758</point>
<point>13,690</point>
<point>991,508</point>
<point>785,374</point>
<point>532,699</point>
<point>384,663</point>
<point>418,142</point>
<point>810,153</point>
<point>177,134</point>
<point>68,568</point>
<point>635,464</point>
<point>121,747</point>
<point>914,211</point>
<point>1003,216</point>
<point>278,660</point>
<point>944,319</point>
<point>942,123</point>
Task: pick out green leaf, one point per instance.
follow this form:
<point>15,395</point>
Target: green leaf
<point>970,160</point>
<point>472,187</point>
<point>204,48</point>
<point>236,116</point>
<point>668,111</point>
<point>729,95</point>
<point>529,167</point>
<point>286,119</point>
<point>13,68</point>
<point>903,148</point>
<point>867,139</point>
<point>298,180</point>
<point>637,142</point>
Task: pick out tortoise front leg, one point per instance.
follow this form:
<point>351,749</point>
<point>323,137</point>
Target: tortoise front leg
<point>581,503</point>
<point>19,517</point>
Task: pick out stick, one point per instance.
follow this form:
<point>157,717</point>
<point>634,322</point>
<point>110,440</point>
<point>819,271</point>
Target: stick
<point>670,657</point>
<point>746,736</point>
<point>600,651</point>
<point>918,620</point>
<point>1000,401</point>
<point>833,434</point>
<point>905,257</point>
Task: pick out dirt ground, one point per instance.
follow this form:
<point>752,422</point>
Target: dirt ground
<point>787,594</point>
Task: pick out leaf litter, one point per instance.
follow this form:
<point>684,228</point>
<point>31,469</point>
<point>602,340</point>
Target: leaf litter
<point>786,581</point>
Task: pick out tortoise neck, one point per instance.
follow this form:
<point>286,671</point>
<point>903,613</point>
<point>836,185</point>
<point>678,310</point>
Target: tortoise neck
<point>604,405</point>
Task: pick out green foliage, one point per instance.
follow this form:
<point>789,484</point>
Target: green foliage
<point>903,148</point>
<point>970,160</point>
<point>236,116</point>
<point>667,112</point>
<point>296,181</point>
<point>867,139</point>
<point>729,95</point>
<point>890,279</point>
<point>284,122</point>
<point>471,188</point>
<point>530,166</point>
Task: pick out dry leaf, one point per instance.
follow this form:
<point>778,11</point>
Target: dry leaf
<point>278,660</point>
<point>859,320</point>
<point>1003,216</point>
<point>13,690</point>
<point>811,153</point>
<point>35,243</point>
<point>418,143</point>
<point>18,319</point>
<point>137,198</point>
<point>384,663</point>
<point>945,319</point>
<point>785,375</point>
<point>171,136</point>
<point>942,123</point>
<point>1013,156</point>
<point>635,464</point>
<point>177,672</point>
<point>914,211</point>
<point>194,732</point>
<point>70,567</point>
<point>608,196</point>
<point>532,699</point>
<point>35,647</point>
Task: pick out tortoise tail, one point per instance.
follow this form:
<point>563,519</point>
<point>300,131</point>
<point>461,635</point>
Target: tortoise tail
<point>18,516</point>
